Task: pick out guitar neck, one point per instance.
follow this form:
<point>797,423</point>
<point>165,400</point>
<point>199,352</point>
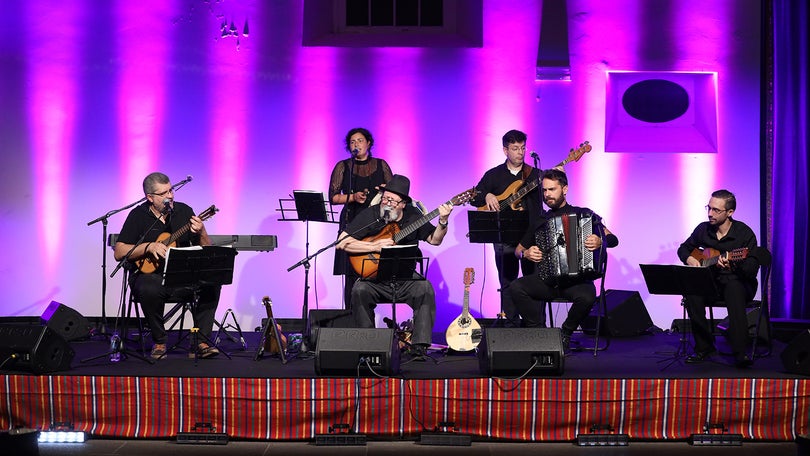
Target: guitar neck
<point>530,185</point>
<point>465,310</point>
<point>403,233</point>
<point>176,235</point>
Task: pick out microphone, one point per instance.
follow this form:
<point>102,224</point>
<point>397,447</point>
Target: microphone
<point>167,205</point>
<point>355,152</point>
<point>533,155</point>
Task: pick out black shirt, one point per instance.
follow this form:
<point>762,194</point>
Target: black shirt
<point>142,218</point>
<point>739,236</point>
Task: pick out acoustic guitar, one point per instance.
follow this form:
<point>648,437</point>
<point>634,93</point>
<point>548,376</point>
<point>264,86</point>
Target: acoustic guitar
<point>392,231</point>
<point>513,195</point>
<point>273,339</point>
<point>710,257</point>
<point>148,265</point>
<point>464,333</point>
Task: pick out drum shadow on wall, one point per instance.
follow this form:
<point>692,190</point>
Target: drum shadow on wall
<point>661,112</point>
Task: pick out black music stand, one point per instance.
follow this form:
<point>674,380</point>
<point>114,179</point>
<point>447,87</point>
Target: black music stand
<point>678,280</point>
<point>194,267</point>
<point>310,206</point>
<point>397,263</point>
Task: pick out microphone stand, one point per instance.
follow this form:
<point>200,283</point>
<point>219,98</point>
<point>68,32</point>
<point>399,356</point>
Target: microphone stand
<point>305,342</point>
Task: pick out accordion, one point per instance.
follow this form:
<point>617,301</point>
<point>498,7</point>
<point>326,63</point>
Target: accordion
<point>562,241</point>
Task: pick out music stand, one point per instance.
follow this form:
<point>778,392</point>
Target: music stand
<point>397,263</point>
<point>194,267</point>
<point>310,205</point>
<point>679,280</point>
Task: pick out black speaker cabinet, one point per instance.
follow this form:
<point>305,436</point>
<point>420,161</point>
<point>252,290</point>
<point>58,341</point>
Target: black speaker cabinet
<point>328,318</point>
<point>626,315</point>
<point>752,315</point>
<point>340,351</point>
<point>535,352</point>
<point>66,321</point>
<point>37,349</point>
<point>796,356</point>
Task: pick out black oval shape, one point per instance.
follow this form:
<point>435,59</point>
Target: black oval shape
<point>655,100</point>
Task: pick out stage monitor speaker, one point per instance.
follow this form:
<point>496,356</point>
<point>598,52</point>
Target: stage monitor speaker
<point>328,318</point>
<point>752,315</point>
<point>66,321</point>
<point>37,349</point>
<point>534,352</point>
<point>346,352</point>
<point>626,315</point>
<point>796,356</point>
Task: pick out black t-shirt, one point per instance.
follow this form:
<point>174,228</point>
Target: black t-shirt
<point>141,219</point>
<point>739,236</point>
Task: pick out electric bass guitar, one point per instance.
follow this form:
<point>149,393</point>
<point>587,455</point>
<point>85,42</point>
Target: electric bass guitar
<point>710,257</point>
<point>513,195</point>
<point>148,265</point>
<point>464,333</point>
<point>392,231</point>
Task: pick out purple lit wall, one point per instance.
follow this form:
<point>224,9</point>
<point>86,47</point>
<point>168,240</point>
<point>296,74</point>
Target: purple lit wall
<point>98,94</point>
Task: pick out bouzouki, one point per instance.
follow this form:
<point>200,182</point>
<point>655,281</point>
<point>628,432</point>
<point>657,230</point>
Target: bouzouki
<point>464,333</point>
<point>273,339</point>
<point>710,257</point>
<point>148,265</point>
<point>512,196</point>
<point>367,264</point>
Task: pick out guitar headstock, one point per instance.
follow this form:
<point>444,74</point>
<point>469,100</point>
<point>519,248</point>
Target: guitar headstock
<point>464,197</point>
<point>576,154</point>
<point>469,276</point>
<point>208,213</point>
<point>737,254</point>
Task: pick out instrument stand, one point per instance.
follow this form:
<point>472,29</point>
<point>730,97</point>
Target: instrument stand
<point>678,280</point>
<point>309,206</point>
<point>118,350</point>
<point>223,327</point>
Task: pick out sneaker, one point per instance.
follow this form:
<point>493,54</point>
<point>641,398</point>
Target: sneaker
<point>203,350</point>
<point>158,351</point>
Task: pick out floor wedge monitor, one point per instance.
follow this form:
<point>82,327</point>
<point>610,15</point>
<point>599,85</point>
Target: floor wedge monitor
<point>356,351</point>
<point>36,349</point>
<point>510,352</point>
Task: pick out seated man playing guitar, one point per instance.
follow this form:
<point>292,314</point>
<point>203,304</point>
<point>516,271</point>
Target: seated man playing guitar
<point>736,276</point>
<point>145,238</point>
<point>383,225</point>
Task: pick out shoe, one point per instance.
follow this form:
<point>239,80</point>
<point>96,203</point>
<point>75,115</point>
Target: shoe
<point>203,350</point>
<point>158,351</point>
<point>742,361</point>
<point>699,357</point>
<point>418,352</point>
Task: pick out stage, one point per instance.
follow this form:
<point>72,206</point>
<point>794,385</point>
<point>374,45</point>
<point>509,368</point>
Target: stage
<point>634,388</point>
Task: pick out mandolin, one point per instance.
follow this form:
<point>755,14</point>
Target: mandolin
<point>148,265</point>
<point>513,195</point>
<point>464,333</point>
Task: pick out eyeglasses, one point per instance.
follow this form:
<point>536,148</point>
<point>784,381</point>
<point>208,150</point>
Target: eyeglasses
<point>715,210</point>
<point>387,200</point>
<point>163,193</point>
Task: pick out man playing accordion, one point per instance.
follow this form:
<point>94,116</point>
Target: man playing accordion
<point>565,256</point>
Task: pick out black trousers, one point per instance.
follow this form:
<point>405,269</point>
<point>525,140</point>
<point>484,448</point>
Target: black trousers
<point>509,267</point>
<point>418,294</point>
<point>736,294</point>
<point>528,291</point>
<point>153,296</point>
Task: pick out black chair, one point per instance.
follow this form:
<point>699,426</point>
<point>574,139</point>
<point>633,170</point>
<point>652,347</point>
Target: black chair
<point>763,257</point>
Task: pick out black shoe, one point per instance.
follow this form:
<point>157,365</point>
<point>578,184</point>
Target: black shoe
<point>418,352</point>
<point>742,361</point>
<point>699,357</point>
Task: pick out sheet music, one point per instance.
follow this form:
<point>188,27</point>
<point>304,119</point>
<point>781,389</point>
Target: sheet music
<point>169,252</point>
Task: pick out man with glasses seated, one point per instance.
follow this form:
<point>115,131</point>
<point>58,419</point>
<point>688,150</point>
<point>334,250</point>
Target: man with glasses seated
<point>370,231</point>
<point>160,214</point>
<point>736,280</point>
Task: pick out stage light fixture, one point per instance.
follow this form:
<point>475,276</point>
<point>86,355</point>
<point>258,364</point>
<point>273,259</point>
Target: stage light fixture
<point>202,434</point>
<point>602,435</point>
<point>715,434</point>
<point>61,432</point>
<point>340,435</point>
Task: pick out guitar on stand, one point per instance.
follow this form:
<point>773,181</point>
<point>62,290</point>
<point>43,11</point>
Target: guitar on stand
<point>273,339</point>
<point>513,195</point>
<point>464,333</point>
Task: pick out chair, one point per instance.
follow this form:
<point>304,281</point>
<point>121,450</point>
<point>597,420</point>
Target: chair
<point>763,257</point>
<point>601,301</point>
<point>182,302</point>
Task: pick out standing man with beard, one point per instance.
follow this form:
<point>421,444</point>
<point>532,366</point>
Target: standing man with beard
<point>394,209</point>
<point>527,291</point>
<point>736,281</point>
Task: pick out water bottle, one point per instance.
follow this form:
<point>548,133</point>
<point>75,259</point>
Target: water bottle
<point>115,348</point>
